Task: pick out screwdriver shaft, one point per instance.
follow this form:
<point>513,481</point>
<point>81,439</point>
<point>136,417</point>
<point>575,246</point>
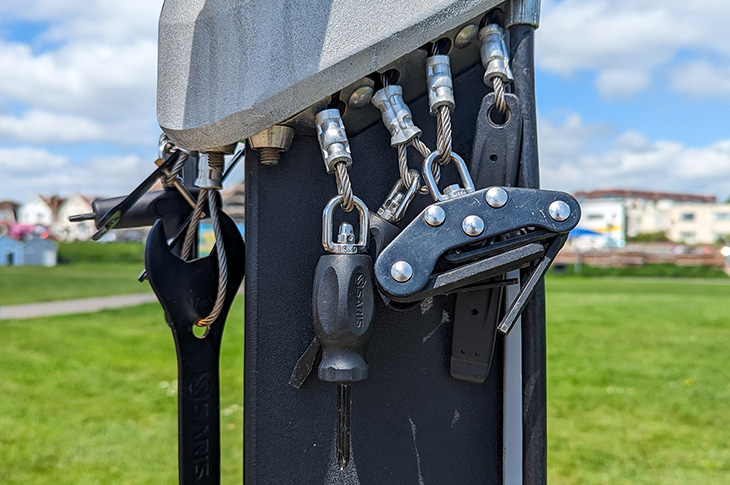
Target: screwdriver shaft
<point>343,425</point>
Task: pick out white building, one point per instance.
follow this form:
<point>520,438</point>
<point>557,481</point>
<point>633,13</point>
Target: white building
<point>74,231</point>
<point>39,211</point>
<point>699,223</point>
<point>646,212</point>
<point>602,225</point>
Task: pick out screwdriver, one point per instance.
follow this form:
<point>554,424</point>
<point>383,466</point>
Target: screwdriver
<point>343,310</point>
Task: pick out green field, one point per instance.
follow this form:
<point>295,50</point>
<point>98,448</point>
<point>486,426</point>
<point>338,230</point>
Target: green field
<point>91,399</point>
<point>638,386</point>
<point>85,269</point>
<point>638,389</point>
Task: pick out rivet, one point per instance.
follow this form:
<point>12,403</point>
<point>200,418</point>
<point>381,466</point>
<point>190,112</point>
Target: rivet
<point>434,216</point>
<point>466,36</point>
<point>473,225</point>
<point>496,197</point>
<point>360,97</point>
<point>401,271</point>
<point>559,210</point>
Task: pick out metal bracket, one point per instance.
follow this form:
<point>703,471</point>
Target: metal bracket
<point>421,245</point>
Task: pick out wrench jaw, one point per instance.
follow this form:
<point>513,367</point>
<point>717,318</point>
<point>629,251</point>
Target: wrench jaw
<point>187,289</point>
<point>187,292</point>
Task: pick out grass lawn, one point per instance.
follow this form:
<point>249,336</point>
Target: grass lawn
<point>32,284</point>
<point>638,389</point>
<point>638,382</point>
<point>91,399</point>
<point>86,269</point>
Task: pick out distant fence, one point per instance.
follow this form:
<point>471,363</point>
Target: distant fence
<point>620,259</point>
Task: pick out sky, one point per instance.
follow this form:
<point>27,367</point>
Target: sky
<point>630,94</point>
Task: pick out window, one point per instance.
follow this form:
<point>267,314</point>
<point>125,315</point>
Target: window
<point>722,216</point>
<point>686,235</point>
<point>687,216</point>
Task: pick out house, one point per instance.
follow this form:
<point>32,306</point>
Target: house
<point>700,224</point>
<point>40,252</point>
<point>7,215</point>
<point>39,211</point>
<point>234,203</point>
<point>602,225</point>
<point>11,252</point>
<point>34,252</point>
<point>646,212</point>
<point>65,230</point>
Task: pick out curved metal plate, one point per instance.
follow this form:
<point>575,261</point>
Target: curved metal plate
<point>229,69</point>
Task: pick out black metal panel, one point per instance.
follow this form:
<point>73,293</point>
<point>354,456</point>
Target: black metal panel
<point>411,421</point>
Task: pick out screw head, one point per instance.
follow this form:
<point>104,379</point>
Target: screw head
<point>466,36</point>
<point>434,216</point>
<point>401,271</point>
<point>496,197</point>
<point>559,210</point>
<point>473,225</point>
<point>360,97</point>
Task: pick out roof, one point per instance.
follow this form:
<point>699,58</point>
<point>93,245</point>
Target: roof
<point>643,194</point>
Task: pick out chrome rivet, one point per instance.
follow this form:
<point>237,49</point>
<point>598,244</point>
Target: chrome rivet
<point>360,97</point>
<point>466,36</point>
<point>496,197</point>
<point>401,271</point>
<point>434,216</point>
<point>559,210</point>
<point>473,225</point>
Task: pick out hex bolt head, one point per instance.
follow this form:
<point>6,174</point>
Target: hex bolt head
<point>466,36</point>
<point>559,210</point>
<point>434,216</point>
<point>496,197</point>
<point>360,97</point>
<point>401,271</point>
<point>473,225</point>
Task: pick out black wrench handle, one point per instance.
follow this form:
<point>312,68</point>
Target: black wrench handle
<point>198,405</point>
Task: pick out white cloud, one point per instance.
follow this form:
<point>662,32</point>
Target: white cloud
<point>574,160</point>
<point>621,83</point>
<point>72,20</point>
<point>90,79</point>
<point>30,170</point>
<point>51,127</point>
<point>631,37</point>
<point>701,79</point>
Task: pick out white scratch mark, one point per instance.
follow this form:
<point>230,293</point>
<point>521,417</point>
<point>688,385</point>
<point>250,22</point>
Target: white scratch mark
<point>445,317</point>
<point>456,417</point>
<point>426,305</point>
<point>415,447</point>
<point>430,334</point>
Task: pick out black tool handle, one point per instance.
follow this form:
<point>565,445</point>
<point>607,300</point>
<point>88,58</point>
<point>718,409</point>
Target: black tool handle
<point>198,405</point>
<point>187,291</point>
<point>343,310</point>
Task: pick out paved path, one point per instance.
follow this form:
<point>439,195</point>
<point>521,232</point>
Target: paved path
<point>84,305</point>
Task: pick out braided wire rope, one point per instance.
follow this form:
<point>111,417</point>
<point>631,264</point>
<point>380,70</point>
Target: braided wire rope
<point>444,134</point>
<point>214,203</point>
<point>344,187</point>
<point>499,97</point>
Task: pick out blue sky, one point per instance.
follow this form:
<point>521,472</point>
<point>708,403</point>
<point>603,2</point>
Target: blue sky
<point>631,93</point>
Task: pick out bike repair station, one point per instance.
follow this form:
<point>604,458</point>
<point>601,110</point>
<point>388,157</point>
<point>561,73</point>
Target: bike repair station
<point>396,237</point>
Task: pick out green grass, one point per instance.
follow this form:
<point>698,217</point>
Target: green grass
<point>86,269</point>
<point>94,252</point>
<point>32,284</point>
<point>638,390</point>
<point>638,386</point>
<point>90,399</point>
<point>663,270</point>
